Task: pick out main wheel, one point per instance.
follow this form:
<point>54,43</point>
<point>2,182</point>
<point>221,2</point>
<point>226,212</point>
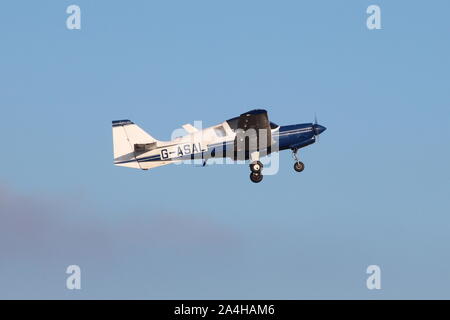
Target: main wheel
<point>256,167</point>
<point>299,166</point>
<point>256,177</point>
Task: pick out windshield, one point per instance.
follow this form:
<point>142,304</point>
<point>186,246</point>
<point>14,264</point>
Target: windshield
<point>233,123</point>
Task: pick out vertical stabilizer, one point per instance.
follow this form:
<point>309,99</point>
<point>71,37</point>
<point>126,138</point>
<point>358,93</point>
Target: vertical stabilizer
<point>125,135</point>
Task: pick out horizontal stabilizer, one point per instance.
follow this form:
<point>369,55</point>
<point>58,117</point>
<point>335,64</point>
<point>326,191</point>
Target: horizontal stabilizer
<point>141,148</point>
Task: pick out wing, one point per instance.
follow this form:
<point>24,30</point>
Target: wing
<point>254,125</point>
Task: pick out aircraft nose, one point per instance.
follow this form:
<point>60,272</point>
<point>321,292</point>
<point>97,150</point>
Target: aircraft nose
<point>319,129</point>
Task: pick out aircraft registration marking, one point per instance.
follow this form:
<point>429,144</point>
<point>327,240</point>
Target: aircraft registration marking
<point>181,150</point>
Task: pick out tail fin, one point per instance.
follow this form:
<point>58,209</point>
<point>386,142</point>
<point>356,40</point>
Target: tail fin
<point>125,136</point>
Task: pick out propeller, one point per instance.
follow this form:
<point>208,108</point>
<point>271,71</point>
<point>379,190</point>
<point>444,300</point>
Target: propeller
<point>316,134</point>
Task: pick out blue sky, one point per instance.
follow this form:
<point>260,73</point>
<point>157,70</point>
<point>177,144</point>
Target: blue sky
<point>375,189</point>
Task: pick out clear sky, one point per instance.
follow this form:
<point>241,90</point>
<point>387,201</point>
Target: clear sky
<point>375,189</point>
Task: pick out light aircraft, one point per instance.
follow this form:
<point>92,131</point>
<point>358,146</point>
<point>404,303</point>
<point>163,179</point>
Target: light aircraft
<point>247,137</point>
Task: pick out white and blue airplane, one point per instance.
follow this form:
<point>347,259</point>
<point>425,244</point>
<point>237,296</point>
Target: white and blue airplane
<point>247,137</point>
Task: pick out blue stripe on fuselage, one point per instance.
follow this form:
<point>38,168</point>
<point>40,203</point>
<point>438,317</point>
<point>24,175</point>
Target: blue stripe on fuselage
<point>294,134</point>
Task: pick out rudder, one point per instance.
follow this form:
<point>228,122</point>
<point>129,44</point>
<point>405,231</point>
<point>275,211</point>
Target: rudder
<point>125,135</point>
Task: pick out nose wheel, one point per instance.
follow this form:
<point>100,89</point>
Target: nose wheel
<point>298,165</point>
<point>256,168</point>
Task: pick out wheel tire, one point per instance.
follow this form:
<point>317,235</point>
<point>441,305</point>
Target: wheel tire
<point>256,167</point>
<point>256,177</point>
<point>299,166</point>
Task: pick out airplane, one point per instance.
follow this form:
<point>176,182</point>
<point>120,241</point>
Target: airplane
<point>249,136</point>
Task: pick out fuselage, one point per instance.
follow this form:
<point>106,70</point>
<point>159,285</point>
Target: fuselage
<point>219,142</point>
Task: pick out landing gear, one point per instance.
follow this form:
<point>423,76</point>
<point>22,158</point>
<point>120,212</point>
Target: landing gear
<point>256,167</point>
<point>298,165</point>
<point>256,177</point>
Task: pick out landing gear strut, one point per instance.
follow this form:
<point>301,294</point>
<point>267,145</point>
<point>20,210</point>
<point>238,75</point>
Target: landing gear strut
<point>298,165</point>
<point>256,168</point>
